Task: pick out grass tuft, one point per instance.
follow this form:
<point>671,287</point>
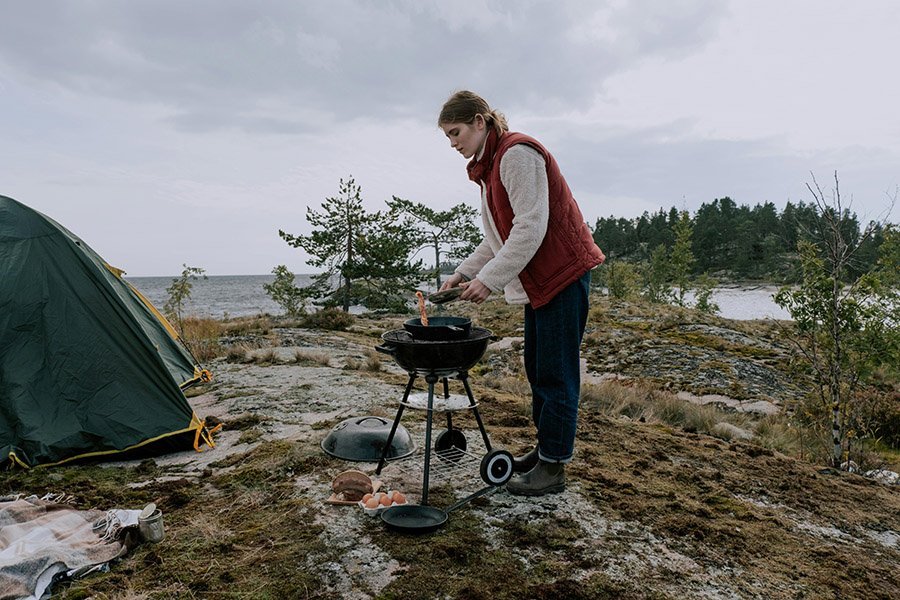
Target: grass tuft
<point>371,362</point>
<point>314,357</point>
<point>265,358</point>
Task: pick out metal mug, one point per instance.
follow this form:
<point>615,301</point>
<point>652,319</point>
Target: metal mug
<point>151,527</point>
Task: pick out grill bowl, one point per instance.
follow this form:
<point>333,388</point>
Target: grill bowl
<point>445,356</point>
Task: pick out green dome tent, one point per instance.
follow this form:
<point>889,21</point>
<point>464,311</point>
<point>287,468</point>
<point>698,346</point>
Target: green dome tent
<point>88,367</point>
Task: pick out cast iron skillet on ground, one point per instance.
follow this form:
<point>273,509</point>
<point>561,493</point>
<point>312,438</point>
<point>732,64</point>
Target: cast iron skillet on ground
<point>414,518</point>
<point>419,518</point>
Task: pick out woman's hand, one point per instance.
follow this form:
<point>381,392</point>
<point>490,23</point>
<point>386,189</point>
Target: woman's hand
<point>452,281</point>
<point>474,291</point>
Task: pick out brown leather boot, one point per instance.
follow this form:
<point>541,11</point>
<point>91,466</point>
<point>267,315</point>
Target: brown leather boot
<point>544,478</point>
<point>526,462</point>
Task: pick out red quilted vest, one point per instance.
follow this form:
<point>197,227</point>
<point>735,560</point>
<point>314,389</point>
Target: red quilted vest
<point>568,250</point>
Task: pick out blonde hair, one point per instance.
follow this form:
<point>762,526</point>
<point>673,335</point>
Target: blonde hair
<point>464,106</point>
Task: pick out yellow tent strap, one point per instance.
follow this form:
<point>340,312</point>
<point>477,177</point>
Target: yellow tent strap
<point>15,459</point>
<point>199,375</point>
<point>203,432</point>
<point>115,270</point>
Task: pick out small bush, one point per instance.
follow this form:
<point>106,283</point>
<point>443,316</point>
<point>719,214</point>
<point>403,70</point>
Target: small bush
<point>333,319</point>
<point>260,324</point>
<point>179,294</point>
<point>704,287</point>
<point>877,413</point>
<point>284,293</point>
<point>623,280</point>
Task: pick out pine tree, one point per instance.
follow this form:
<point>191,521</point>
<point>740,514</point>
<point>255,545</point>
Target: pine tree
<point>681,260</point>
<point>451,234</point>
<point>367,253</point>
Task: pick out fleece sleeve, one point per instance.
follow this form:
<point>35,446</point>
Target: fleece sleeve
<point>524,176</point>
<point>472,265</point>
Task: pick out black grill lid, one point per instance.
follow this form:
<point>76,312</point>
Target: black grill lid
<point>362,439</point>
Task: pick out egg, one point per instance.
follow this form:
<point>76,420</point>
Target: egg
<point>372,503</point>
<point>399,498</point>
<point>366,498</point>
<point>385,500</point>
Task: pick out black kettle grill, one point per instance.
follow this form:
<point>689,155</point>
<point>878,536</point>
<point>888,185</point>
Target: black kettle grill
<point>441,358</point>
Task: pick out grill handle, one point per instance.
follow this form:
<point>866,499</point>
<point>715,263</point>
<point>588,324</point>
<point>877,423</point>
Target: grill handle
<point>387,349</point>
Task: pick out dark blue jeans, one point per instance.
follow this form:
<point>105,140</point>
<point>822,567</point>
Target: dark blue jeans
<point>553,335</point>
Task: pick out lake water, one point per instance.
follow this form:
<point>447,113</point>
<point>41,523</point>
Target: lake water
<point>217,295</point>
<point>243,295</point>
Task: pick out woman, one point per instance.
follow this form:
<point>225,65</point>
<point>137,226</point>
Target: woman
<point>538,250</point>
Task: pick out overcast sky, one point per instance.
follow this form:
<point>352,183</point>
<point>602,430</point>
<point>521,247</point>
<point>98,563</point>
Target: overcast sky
<point>167,132</point>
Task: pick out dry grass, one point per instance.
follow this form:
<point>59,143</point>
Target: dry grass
<point>201,336</point>
<point>646,404</point>
<point>314,357</point>
<point>264,358</point>
<point>239,353</point>
<point>371,362</point>
<point>261,324</point>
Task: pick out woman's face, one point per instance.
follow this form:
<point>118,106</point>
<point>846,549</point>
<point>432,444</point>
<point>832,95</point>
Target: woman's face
<point>466,138</point>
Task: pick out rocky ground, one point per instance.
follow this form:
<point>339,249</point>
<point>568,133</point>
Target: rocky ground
<point>651,510</point>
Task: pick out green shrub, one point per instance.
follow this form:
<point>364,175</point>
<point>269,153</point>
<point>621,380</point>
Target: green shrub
<point>284,293</point>
<point>622,279</point>
<point>333,319</point>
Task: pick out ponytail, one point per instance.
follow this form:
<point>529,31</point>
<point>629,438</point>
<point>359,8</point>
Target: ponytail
<point>464,106</point>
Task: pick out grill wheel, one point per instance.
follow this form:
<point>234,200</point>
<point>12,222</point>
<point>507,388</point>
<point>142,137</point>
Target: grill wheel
<point>497,467</point>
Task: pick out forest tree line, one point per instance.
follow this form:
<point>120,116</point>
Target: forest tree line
<point>377,259</point>
<point>736,242</point>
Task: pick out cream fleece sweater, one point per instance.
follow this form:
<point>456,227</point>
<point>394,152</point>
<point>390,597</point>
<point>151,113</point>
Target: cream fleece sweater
<point>495,264</point>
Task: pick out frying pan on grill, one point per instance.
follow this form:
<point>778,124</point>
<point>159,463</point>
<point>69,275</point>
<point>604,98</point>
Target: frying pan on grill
<point>439,328</point>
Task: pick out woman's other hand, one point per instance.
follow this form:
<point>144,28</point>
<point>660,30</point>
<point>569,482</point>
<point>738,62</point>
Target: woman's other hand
<point>452,281</point>
<point>474,291</point>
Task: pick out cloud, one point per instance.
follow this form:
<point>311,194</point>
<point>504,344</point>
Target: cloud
<point>216,64</point>
<point>198,129</point>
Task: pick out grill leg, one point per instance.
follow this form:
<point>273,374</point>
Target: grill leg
<point>464,377</point>
<point>447,395</point>
<point>390,438</point>
<point>431,379</point>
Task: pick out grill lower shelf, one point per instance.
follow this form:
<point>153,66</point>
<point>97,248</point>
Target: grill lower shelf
<point>455,468</point>
<point>455,402</point>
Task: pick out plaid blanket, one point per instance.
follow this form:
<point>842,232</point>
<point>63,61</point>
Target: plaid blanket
<point>43,540</point>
